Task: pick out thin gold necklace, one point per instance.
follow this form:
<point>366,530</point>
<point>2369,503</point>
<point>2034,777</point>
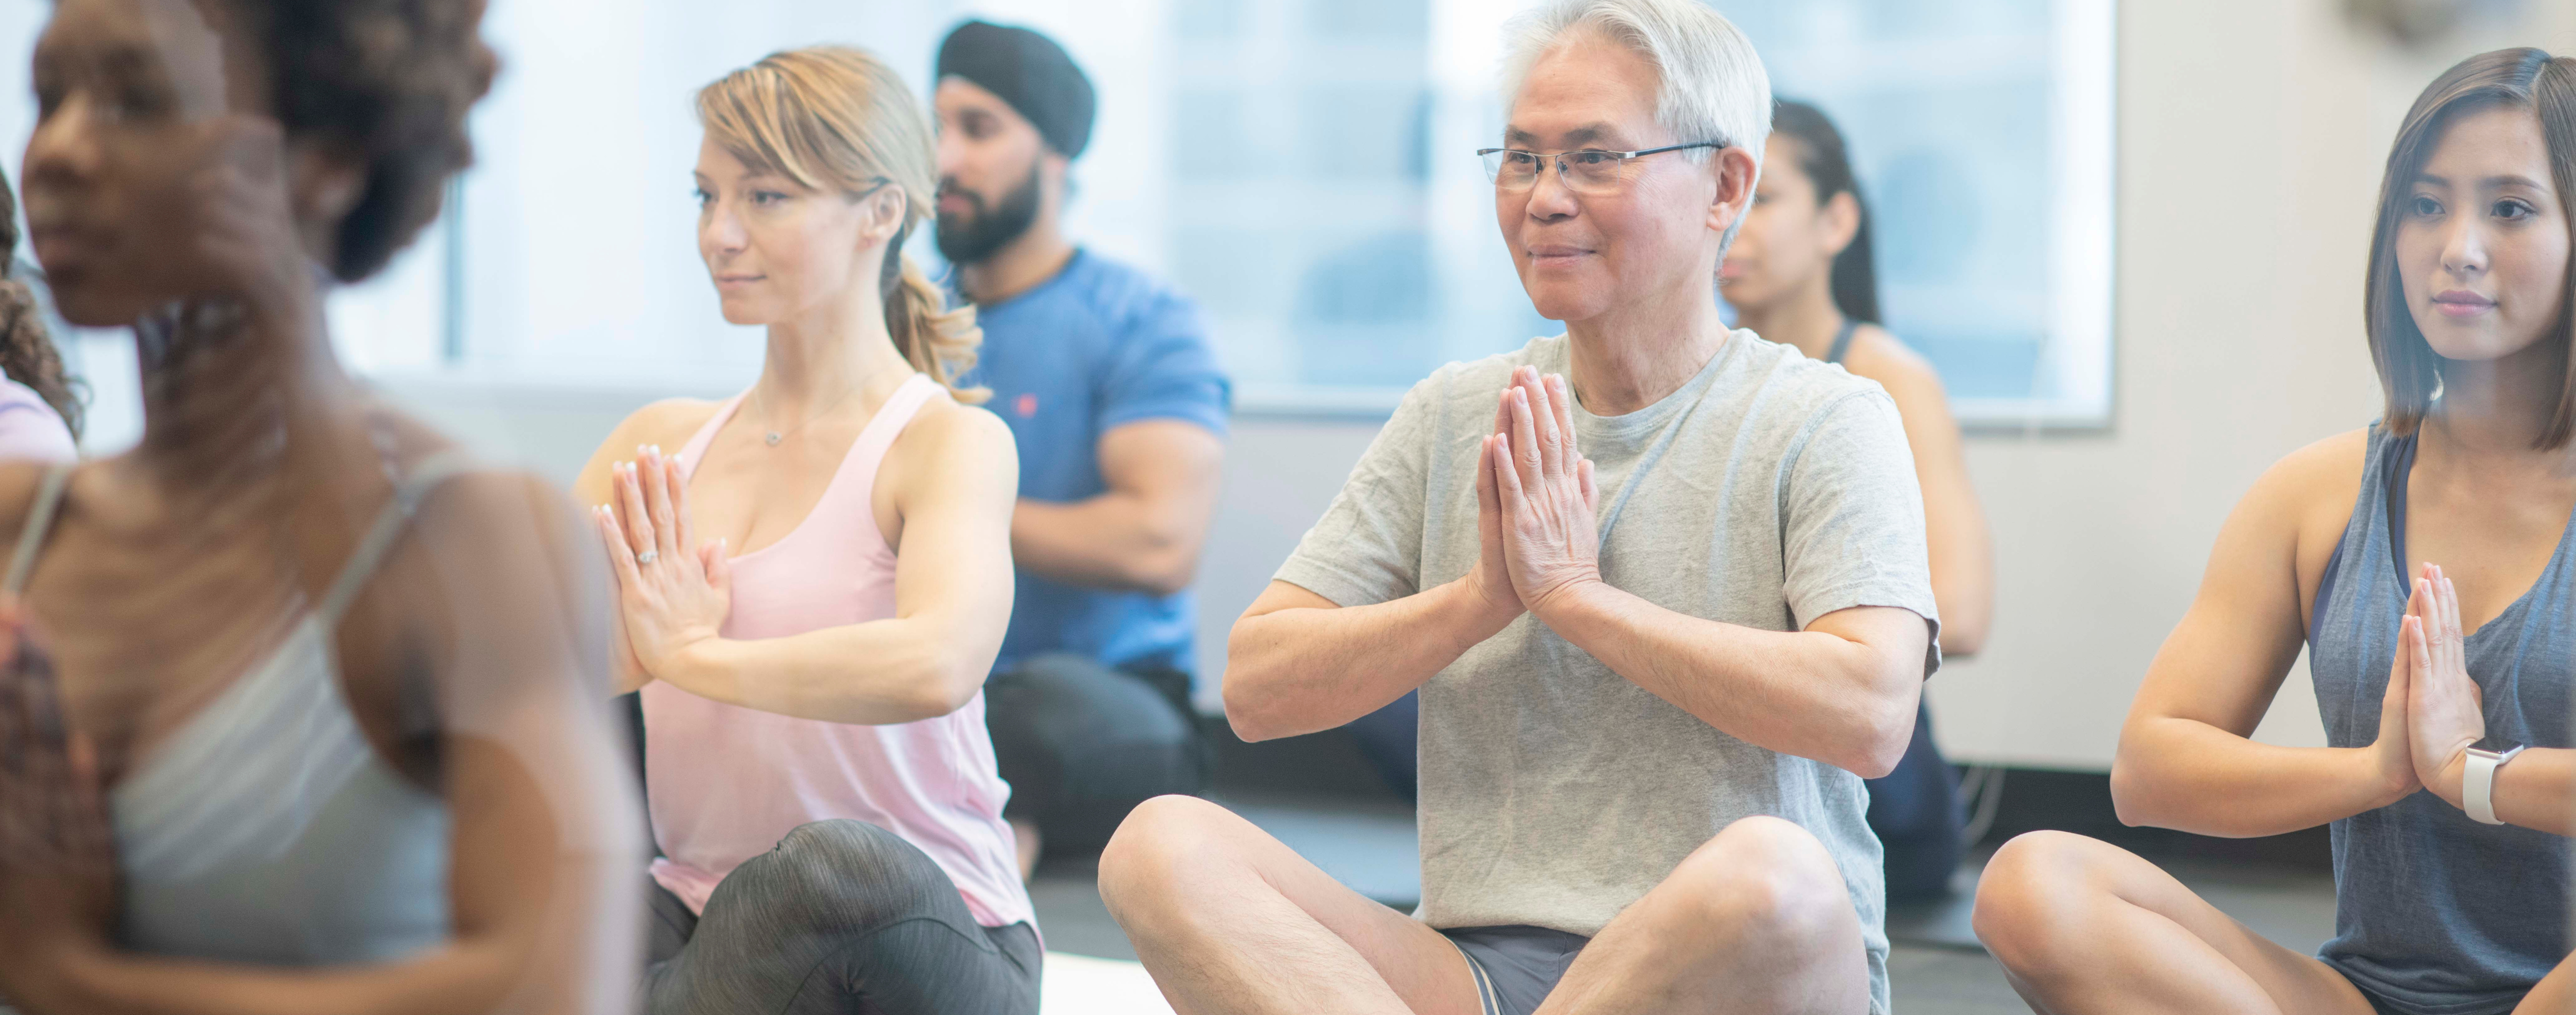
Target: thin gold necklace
<point>772,437</point>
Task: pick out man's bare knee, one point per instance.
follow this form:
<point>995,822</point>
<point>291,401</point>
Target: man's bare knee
<point>2030,895</point>
<point>1767,877</point>
<point>1154,850</point>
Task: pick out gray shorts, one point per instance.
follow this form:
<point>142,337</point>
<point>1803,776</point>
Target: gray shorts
<point>1515,966</point>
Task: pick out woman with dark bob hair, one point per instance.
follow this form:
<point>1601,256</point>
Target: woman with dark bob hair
<point>301,711</point>
<point>2428,566</point>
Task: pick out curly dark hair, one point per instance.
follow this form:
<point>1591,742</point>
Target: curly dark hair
<point>27,352</point>
<point>390,82</point>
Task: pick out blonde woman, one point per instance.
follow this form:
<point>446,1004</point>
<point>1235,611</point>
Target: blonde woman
<point>813,581</point>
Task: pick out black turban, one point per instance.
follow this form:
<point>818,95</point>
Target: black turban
<point>1028,71</point>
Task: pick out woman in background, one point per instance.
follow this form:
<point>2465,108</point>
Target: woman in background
<point>814,586</point>
<point>2428,564</point>
<point>1801,273</point>
<point>302,713</point>
<point>40,411</point>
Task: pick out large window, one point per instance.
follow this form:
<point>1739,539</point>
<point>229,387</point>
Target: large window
<point>1327,210</point>
<point>1315,151</point>
<point>1303,167</point>
<point>1982,134</point>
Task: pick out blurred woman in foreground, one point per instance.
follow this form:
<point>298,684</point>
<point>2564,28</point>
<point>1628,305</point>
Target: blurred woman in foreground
<point>304,710</point>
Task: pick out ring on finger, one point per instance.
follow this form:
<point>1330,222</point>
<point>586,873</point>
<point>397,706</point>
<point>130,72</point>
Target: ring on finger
<point>648,556</point>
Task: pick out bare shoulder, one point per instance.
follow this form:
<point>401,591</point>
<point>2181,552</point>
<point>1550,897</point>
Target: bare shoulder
<point>2314,487</point>
<point>496,538</point>
<point>499,496</point>
<point>669,423</point>
<point>949,442</point>
<point>499,513</point>
<point>946,427</point>
<point>486,511</point>
<point>1877,355</point>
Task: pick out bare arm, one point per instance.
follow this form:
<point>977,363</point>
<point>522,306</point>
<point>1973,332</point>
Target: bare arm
<point>956,473</point>
<point>2446,715</point>
<point>2537,789</point>
<point>1954,524</point>
<point>2185,761</point>
<point>1145,533</point>
<point>1297,663</point>
<point>1842,691</point>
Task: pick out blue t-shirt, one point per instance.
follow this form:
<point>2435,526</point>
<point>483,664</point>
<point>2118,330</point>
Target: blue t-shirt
<point>1097,346</point>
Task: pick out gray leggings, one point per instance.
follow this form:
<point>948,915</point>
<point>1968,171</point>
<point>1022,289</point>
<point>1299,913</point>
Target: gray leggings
<point>841,917</point>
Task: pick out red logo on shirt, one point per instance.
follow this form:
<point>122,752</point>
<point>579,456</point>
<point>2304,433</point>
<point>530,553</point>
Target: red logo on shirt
<point>1026,406</point>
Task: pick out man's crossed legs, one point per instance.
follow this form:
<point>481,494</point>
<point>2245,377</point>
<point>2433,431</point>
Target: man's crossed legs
<point>1231,922</point>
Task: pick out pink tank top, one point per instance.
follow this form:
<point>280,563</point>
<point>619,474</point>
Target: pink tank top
<point>725,783</point>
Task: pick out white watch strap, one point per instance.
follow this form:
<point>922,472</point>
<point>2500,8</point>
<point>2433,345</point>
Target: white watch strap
<point>2477,789</point>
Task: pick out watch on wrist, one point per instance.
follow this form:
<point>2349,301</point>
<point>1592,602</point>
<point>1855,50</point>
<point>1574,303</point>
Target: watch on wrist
<point>2477,788</point>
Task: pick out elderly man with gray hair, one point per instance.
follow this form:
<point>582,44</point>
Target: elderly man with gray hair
<point>1662,586</point>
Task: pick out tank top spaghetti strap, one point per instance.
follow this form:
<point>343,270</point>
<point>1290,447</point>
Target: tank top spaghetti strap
<point>1842,341</point>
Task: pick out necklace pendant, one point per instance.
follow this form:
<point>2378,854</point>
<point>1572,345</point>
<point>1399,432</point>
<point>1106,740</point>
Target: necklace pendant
<point>773,437</point>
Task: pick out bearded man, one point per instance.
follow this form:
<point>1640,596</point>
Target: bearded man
<point>1105,377</point>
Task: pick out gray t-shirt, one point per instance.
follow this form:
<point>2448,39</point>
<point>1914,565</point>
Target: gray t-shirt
<point>1768,491</point>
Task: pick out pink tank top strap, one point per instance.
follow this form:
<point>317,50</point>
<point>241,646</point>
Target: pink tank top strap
<point>855,484</point>
<point>878,436</point>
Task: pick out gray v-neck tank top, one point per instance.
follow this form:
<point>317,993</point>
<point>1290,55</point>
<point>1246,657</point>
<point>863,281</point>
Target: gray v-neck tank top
<point>267,829</point>
<point>2436,914</point>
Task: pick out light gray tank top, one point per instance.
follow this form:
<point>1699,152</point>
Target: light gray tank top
<point>267,830</point>
<point>2436,914</point>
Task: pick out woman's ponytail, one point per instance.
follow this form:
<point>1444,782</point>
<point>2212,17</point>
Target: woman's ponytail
<point>935,338</point>
<point>839,120</point>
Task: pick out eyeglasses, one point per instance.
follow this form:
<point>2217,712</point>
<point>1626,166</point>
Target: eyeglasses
<point>1584,171</point>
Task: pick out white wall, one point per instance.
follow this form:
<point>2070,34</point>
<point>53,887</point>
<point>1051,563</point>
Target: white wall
<point>2252,141</point>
